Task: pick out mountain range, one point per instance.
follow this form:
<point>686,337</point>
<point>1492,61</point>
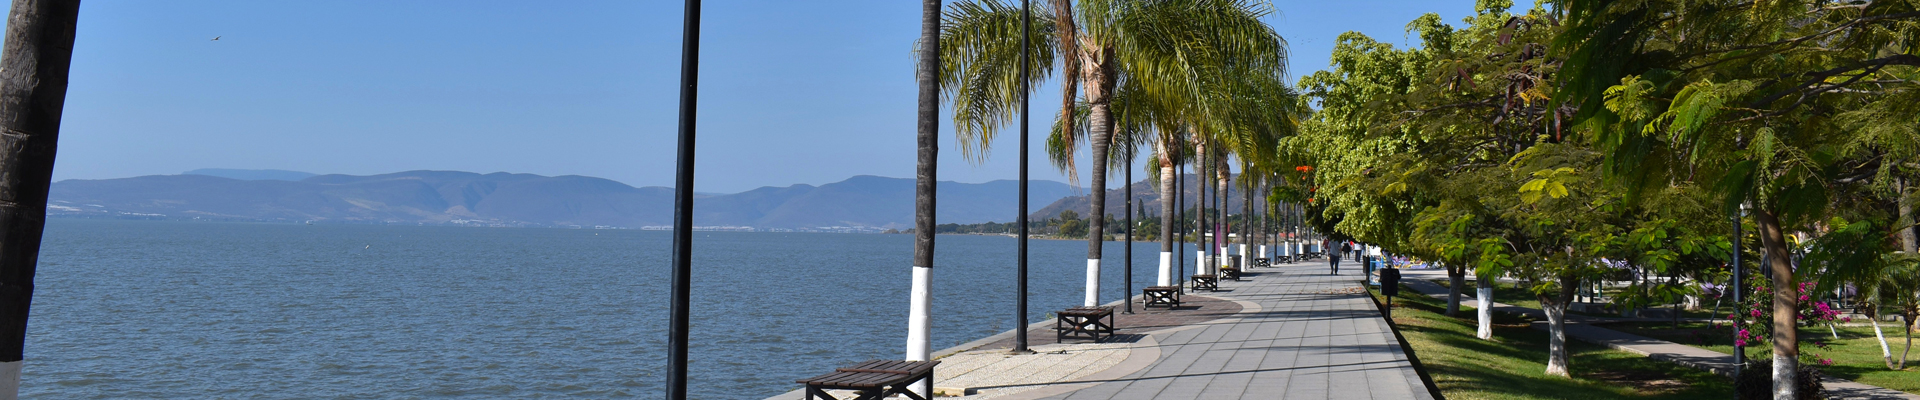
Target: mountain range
<point>1145,194</point>
<point>508,199</point>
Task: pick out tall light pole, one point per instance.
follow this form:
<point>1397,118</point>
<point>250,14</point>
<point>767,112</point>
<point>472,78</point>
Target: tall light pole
<point>1020,263</point>
<point>1127,296</point>
<point>1739,274</point>
<point>683,206</point>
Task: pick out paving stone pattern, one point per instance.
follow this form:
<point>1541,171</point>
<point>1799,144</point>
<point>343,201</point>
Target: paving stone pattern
<point>1194,309</point>
<point>1315,337</point>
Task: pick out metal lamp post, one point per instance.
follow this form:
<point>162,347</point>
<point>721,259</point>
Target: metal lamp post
<point>683,207</point>
<point>1739,351</point>
<point>1020,265</point>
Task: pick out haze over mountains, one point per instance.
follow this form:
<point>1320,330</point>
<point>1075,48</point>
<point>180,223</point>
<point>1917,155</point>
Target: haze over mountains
<point>1145,194</point>
<point>506,199</point>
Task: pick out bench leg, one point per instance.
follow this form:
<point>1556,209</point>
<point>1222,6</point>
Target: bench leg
<point>816,391</point>
<point>906,389</point>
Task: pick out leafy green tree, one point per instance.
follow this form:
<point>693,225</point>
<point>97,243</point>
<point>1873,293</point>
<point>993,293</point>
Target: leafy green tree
<point>1783,105</point>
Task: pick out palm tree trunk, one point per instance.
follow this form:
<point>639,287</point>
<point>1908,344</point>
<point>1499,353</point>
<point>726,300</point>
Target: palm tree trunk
<point>1260,235</point>
<point>1786,306</point>
<point>1226,200</point>
<point>33,92</point>
<point>1100,122</point>
<point>1180,218</point>
<point>1167,199</point>
<point>1292,229</point>
<point>1200,248</point>
<point>919,303</point>
<point>1255,226</point>
<point>1246,220</point>
<point>1219,242</point>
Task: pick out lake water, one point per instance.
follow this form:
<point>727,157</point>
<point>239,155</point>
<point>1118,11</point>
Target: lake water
<point>152,309</point>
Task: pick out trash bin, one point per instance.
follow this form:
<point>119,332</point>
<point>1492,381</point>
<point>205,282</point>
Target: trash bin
<point>1390,282</point>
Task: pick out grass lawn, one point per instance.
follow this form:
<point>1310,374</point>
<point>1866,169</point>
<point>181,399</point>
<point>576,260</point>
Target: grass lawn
<point>1856,354</point>
<point>1512,366</point>
<point>1510,294</point>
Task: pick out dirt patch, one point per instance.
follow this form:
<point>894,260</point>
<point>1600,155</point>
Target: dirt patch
<point>1346,290</point>
<point>1644,382</point>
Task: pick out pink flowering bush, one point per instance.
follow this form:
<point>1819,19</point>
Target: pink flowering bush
<point>1757,329</point>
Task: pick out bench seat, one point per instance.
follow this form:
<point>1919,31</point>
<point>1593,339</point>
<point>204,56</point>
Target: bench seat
<point>872,380</point>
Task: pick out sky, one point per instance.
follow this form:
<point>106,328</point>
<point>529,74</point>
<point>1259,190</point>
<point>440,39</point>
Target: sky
<point>791,92</point>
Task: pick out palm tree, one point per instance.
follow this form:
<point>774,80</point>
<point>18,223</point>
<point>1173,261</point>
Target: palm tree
<point>37,54</point>
<point>928,76</point>
<point>1175,50</point>
<point>1166,156</point>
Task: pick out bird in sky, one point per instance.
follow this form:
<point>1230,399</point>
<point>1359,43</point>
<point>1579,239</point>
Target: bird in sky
<point>215,39</point>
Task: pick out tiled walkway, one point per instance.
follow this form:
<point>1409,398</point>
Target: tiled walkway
<point>1193,310</point>
<point>1314,336</point>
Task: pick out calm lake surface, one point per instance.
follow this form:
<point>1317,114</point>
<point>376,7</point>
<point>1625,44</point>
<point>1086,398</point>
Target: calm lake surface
<point>154,309</point>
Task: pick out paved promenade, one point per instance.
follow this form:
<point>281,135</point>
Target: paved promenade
<point>1287,332</point>
<point>1313,336</point>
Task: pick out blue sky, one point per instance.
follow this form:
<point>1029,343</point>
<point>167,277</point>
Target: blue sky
<point>791,91</point>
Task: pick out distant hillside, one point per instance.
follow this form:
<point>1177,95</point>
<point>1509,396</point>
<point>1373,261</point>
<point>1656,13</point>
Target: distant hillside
<point>449,197</point>
<point>1144,193</point>
<point>251,174</point>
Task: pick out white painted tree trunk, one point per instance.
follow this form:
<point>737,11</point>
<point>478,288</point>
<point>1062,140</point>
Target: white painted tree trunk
<point>1785,374</point>
<point>1263,252</point>
<point>918,325</point>
<point>1556,338</point>
<point>1245,258</point>
<point>1483,291</point>
<point>1200,258</point>
<point>1885,354</point>
<point>1166,269</point>
<point>1093,282</point>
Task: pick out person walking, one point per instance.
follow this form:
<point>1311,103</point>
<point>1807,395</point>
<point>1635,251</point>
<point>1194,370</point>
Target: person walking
<point>1334,258</point>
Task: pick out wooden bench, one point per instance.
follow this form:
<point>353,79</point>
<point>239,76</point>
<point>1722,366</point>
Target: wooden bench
<point>872,380</point>
<point>1210,282</point>
<point>1232,273</point>
<point>1166,296</point>
<point>1262,262</point>
<point>1089,321</point>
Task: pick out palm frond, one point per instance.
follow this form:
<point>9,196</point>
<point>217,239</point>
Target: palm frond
<point>980,67</point>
